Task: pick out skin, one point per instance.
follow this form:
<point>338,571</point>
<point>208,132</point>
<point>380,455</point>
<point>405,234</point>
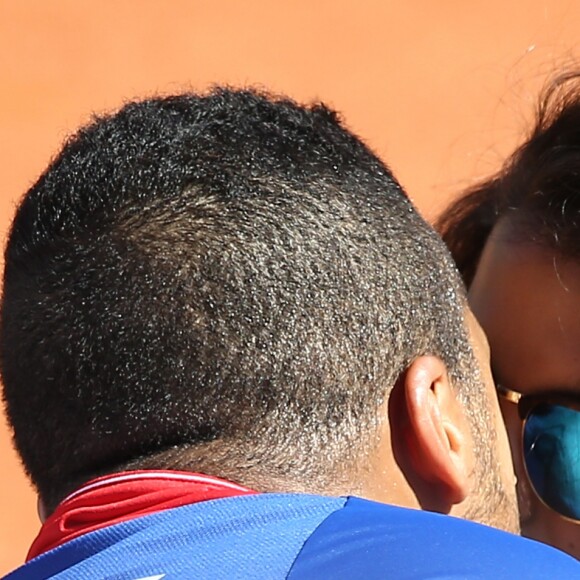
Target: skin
<point>506,514</point>
<point>527,301</point>
<point>426,457</point>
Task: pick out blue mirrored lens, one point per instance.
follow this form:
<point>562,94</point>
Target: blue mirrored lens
<point>552,454</point>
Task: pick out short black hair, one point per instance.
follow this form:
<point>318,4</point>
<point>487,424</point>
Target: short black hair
<point>537,189</point>
<point>230,270</point>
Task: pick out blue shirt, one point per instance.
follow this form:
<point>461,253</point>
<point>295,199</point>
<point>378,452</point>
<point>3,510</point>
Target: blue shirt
<point>298,536</point>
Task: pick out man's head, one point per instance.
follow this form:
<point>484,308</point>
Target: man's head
<point>236,284</point>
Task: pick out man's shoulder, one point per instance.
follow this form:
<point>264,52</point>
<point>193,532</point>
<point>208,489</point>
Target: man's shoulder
<point>251,536</point>
<point>373,540</point>
<point>298,536</point>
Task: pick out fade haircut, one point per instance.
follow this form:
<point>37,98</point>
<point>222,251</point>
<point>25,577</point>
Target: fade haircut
<point>231,273</point>
<point>537,189</point>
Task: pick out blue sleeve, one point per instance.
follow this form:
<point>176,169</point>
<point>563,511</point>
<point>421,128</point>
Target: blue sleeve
<point>369,540</point>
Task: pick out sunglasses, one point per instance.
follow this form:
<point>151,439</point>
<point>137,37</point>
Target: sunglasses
<point>551,447</point>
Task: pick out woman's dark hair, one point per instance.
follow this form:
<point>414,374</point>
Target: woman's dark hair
<point>537,188</point>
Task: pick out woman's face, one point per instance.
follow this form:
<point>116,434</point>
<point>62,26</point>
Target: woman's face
<point>527,300</point>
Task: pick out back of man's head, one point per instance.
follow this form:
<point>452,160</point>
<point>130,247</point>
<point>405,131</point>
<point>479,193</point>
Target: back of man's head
<point>229,282</point>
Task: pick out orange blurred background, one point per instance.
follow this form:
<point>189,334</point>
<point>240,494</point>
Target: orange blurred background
<point>442,90</point>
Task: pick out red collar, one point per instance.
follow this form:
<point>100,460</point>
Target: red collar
<point>121,497</point>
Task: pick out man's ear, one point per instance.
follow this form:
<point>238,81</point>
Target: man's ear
<point>431,435</point>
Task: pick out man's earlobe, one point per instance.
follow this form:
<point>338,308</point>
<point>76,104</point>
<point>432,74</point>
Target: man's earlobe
<point>433,440</point>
